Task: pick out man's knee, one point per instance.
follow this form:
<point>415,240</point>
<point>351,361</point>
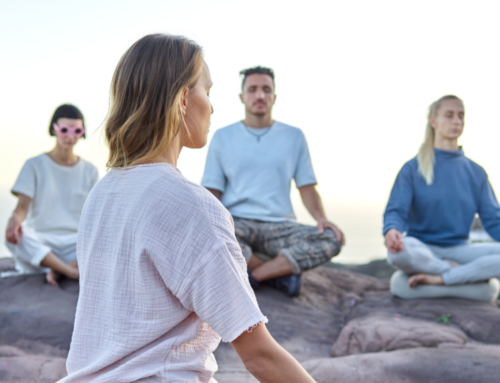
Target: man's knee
<point>331,245</point>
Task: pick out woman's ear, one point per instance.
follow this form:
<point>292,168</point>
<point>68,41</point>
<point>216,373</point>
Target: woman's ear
<point>432,121</point>
<point>184,100</point>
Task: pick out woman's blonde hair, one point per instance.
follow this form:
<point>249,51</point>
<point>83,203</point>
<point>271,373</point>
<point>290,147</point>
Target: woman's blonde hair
<point>144,115</point>
<point>425,155</point>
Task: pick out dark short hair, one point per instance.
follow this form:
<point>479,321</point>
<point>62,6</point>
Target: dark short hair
<point>256,70</point>
<point>66,111</point>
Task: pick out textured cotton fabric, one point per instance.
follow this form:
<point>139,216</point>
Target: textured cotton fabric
<point>254,168</point>
<point>33,248</point>
<point>57,196</point>
<point>55,191</point>
<point>442,213</point>
<point>303,246</point>
<point>162,280</point>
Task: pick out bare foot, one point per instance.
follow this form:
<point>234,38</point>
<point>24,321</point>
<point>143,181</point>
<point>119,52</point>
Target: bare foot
<point>52,277</point>
<point>452,263</point>
<point>425,279</point>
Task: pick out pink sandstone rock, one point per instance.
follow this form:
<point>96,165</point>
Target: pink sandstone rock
<point>38,319</point>
<point>16,366</point>
<point>388,332</point>
<point>465,364</point>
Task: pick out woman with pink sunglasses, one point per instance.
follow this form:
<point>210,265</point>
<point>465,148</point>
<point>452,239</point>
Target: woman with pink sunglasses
<point>51,188</point>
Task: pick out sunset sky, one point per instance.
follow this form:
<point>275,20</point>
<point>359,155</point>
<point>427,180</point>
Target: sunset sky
<point>356,77</point>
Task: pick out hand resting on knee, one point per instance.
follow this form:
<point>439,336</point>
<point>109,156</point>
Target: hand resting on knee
<point>394,241</point>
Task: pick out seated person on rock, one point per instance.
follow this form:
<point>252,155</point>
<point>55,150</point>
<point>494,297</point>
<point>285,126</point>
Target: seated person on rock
<point>163,280</point>
<point>249,167</point>
<point>51,190</point>
<point>434,200</point>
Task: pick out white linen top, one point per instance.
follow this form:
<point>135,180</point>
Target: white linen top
<point>57,195</point>
<point>162,280</point>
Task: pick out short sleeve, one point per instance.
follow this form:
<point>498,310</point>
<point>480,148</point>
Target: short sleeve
<point>304,172</point>
<point>26,181</point>
<point>218,291</point>
<point>213,176</point>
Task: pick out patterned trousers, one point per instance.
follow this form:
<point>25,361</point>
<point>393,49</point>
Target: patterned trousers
<point>303,246</point>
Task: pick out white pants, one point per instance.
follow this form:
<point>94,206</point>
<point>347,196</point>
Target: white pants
<point>478,262</point>
<point>33,247</point>
<point>483,292</point>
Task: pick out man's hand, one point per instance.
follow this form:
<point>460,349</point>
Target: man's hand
<point>394,241</point>
<point>312,201</point>
<point>325,224</point>
<point>14,230</point>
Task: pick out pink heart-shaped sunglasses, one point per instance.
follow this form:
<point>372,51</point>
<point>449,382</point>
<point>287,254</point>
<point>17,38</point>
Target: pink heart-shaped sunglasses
<point>64,130</point>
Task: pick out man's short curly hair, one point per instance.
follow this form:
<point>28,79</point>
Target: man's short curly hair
<point>256,70</point>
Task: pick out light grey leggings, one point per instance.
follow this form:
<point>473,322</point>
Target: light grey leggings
<point>478,262</point>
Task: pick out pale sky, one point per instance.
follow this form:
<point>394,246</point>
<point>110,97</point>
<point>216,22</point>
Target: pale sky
<point>356,77</point>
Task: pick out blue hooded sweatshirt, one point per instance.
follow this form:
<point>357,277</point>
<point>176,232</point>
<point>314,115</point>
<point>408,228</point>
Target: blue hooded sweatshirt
<point>442,213</point>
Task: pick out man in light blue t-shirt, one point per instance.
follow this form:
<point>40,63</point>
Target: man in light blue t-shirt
<point>250,166</point>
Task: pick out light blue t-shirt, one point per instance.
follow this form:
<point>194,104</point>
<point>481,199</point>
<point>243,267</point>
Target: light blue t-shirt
<point>253,168</point>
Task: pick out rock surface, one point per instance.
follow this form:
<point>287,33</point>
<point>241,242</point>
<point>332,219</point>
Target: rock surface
<point>34,311</point>
<point>388,332</point>
<point>378,268</point>
<point>466,364</point>
<point>17,366</point>
<point>308,325</point>
<point>37,319</point>
<point>480,321</point>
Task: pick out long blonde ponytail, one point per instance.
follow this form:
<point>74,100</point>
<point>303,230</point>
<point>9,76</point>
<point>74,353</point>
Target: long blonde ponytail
<point>425,155</point>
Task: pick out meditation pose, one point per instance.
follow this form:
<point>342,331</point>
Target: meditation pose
<point>162,277</point>
<point>434,200</point>
<point>51,190</point>
<point>250,166</point>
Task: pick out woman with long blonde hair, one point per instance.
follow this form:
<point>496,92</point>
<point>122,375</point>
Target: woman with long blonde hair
<point>162,277</point>
<point>434,200</point>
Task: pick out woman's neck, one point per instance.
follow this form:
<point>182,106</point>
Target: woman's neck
<point>253,121</point>
<point>170,156</point>
<point>63,156</point>
<point>443,143</point>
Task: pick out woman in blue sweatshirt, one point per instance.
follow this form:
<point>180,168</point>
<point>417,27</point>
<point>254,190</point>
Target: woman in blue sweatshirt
<point>434,200</point>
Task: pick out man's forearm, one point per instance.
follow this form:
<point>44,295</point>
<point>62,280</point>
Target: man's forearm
<point>312,202</point>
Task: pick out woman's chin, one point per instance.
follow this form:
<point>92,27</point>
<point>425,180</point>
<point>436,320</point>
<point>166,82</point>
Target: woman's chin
<point>66,146</point>
<point>197,144</point>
